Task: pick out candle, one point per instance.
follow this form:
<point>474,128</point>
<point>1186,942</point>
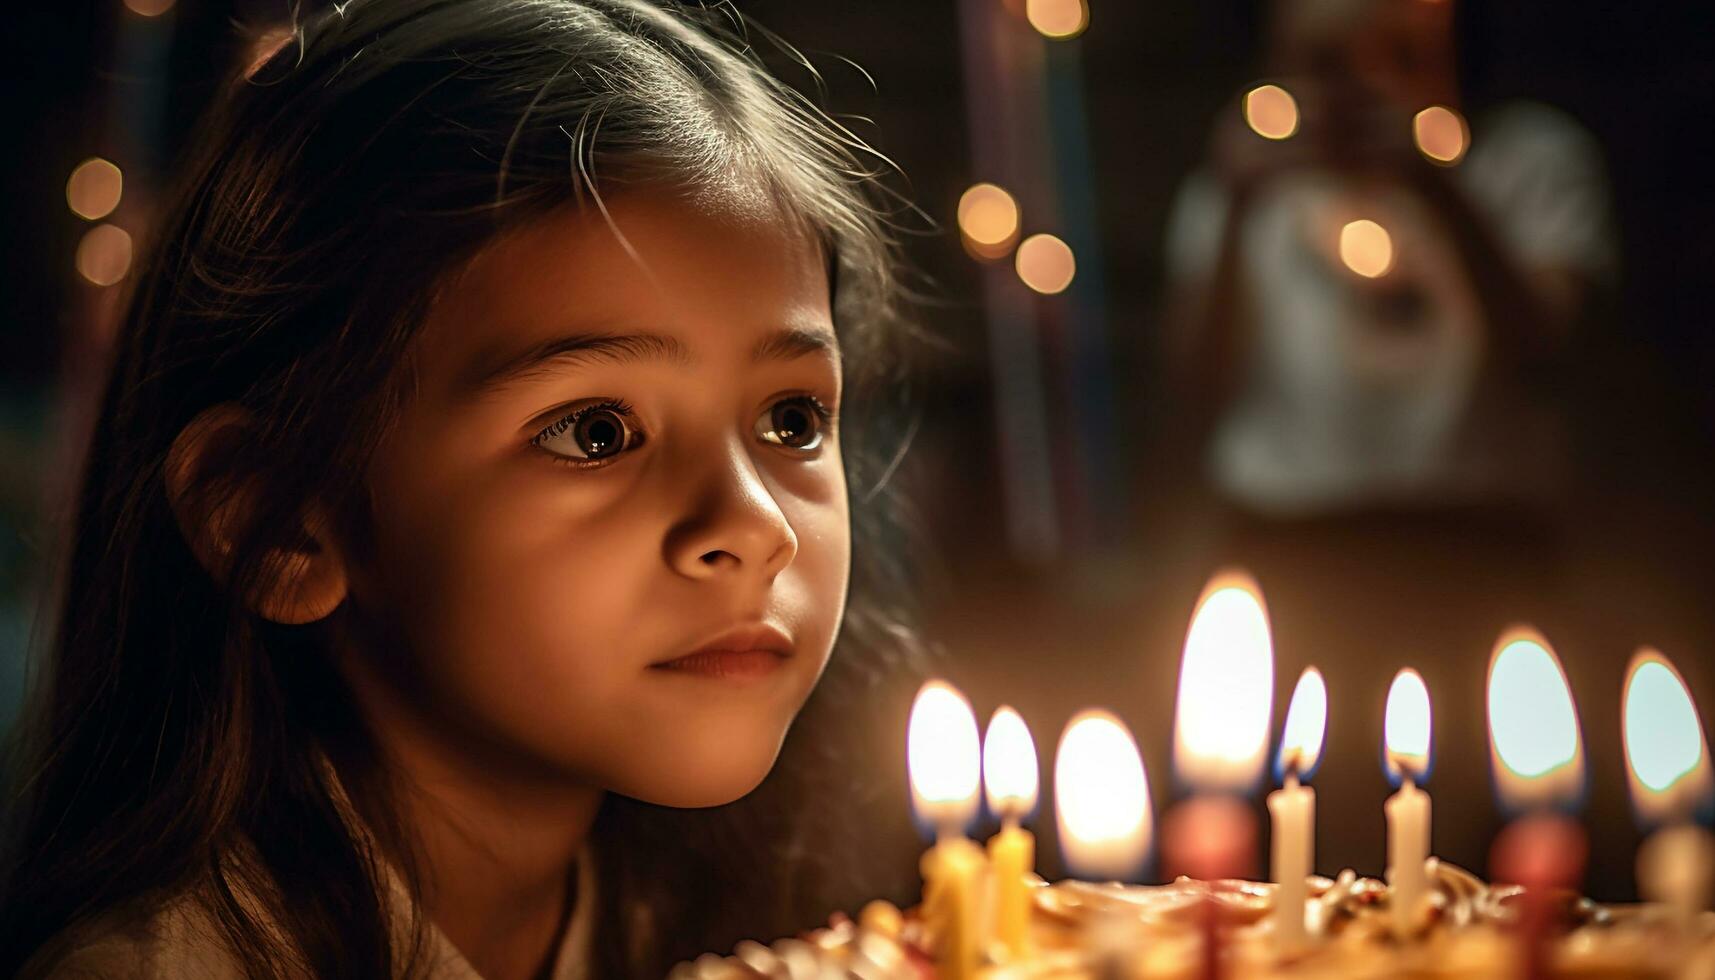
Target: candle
<point>1406,738</point>
<point>1667,759</point>
<point>1101,801</point>
<point>1292,808</point>
<point>1220,741</point>
<point>944,759</point>
<point>1538,763</point>
<point>1010,780</point>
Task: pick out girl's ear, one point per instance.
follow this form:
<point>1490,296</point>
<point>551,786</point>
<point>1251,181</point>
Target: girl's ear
<point>299,583</point>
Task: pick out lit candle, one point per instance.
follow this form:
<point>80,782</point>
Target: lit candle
<point>1010,780</point>
<point>1667,759</point>
<point>1538,762</point>
<point>1101,801</point>
<point>944,759</point>
<point>1406,737</point>
<point>1220,741</point>
<point>1292,808</point>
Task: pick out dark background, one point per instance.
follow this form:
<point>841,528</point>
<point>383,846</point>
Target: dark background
<point>1099,620</point>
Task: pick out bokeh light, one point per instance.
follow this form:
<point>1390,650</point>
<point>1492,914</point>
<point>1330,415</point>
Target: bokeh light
<point>1441,134</point>
<point>94,188</point>
<point>104,254</point>
<point>1045,263</point>
<point>1271,111</point>
<point>1366,248</point>
<point>988,220</point>
<point>149,8</point>
<point>1057,19</point>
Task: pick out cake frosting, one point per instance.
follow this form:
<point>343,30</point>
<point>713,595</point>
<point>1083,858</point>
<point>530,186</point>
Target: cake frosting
<point>1088,930</point>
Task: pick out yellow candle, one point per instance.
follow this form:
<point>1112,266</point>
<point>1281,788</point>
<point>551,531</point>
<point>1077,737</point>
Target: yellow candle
<point>1010,778</point>
<point>944,761</point>
<point>1671,780</point>
<point>1012,855</point>
<point>953,873</point>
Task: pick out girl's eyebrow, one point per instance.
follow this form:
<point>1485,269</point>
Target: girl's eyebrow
<point>786,344</point>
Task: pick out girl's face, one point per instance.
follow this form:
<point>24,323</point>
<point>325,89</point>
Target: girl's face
<point>611,530</point>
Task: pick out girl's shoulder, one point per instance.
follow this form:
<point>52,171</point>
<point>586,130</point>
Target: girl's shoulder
<point>175,935</point>
<point>178,939</point>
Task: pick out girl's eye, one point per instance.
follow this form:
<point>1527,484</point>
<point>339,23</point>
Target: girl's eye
<point>592,433</point>
<point>796,423</point>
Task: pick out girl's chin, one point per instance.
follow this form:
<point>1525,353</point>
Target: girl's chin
<point>706,776</point>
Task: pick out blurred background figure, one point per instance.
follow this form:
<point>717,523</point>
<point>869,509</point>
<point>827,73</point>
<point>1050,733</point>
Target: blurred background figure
<point>1369,293</point>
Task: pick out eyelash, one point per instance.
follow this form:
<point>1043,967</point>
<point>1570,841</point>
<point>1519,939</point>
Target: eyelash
<point>824,415</point>
<point>617,406</point>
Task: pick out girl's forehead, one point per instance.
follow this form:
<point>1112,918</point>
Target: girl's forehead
<point>714,279</point>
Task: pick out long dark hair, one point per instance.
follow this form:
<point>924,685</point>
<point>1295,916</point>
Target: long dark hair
<point>333,187</point>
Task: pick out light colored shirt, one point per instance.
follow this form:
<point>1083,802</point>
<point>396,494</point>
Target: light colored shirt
<point>181,941</point>
<point>1358,391</point>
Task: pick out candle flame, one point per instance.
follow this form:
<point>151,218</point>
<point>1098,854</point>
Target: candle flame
<point>1226,688</point>
<point>1406,728</point>
<point>1306,724</point>
<point>1009,764</point>
<point>1101,794</point>
<point>1667,756</point>
<point>943,757</point>
<point>1534,748</point>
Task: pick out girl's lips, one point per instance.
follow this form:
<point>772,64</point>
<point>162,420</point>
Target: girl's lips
<point>725,663</point>
<point>746,651</point>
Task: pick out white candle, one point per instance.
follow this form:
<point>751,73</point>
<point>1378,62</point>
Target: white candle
<point>1407,851</point>
<point>1292,809</point>
<point>1406,735</point>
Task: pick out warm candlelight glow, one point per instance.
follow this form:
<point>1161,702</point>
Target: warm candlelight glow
<point>1009,764</point>
<point>943,757</point>
<point>1057,19</point>
<point>988,220</point>
<point>1226,688</point>
<point>1102,795</point>
<point>1667,756</point>
<point>1533,727</point>
<point>1406,727</point>
<point>1306,723</point>
<point>1271,111</point>
<point>1366,248</point>
<point>1045,263</point>
<point>1441,134</point>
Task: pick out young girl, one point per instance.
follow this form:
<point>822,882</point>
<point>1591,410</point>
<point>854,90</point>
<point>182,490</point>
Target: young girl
<point>470,495</point>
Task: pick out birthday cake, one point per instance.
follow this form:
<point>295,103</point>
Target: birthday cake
<point>1081,929</point>
<point>985,914</point>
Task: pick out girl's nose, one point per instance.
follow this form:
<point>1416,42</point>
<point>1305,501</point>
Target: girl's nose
<point>734,526</point>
